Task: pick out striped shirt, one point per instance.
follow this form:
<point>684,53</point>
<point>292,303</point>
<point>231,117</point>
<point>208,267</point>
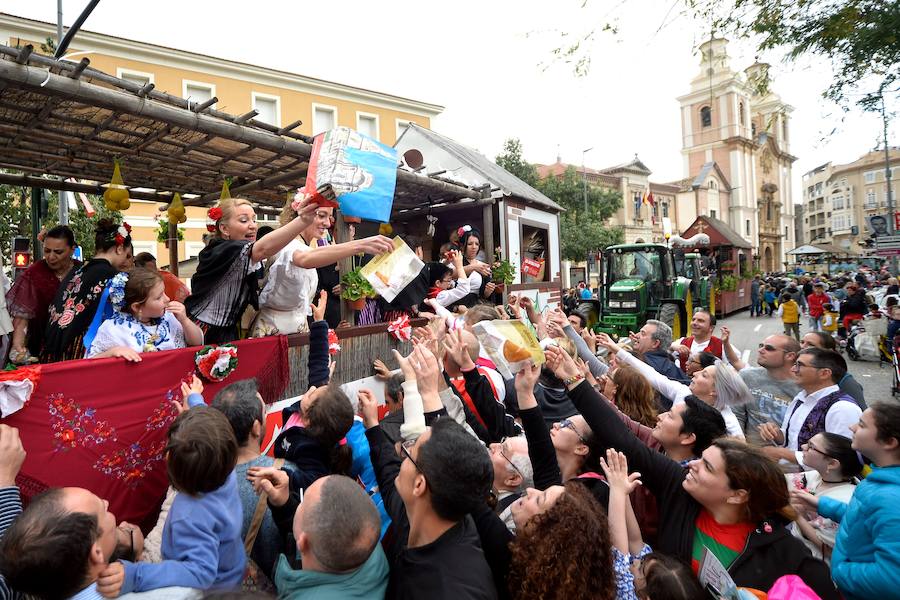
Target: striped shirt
<point>10,508</point>
<point>725,542</point>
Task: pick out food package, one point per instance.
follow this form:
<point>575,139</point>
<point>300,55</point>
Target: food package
<point>532,267</point>
<point>361,173</point>
<point>390,273</point>
<point>511,345</point>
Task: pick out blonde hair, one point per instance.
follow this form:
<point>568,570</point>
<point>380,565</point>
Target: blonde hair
<point>228,206</point>
<point>288,213</point>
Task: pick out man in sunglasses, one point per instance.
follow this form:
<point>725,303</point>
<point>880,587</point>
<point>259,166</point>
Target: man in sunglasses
<point>820,406</point>
<point>772,385</point>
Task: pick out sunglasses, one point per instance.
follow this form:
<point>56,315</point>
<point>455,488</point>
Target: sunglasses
<point>568,424</point>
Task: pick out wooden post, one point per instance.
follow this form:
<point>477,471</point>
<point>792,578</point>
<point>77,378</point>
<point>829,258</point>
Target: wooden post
<point>173,248</point>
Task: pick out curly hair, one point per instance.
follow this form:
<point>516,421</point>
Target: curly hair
<point>565,551</point>
<point>635,396</point>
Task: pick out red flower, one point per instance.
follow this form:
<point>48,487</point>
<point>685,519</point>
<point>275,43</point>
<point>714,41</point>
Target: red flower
<point>127,227</point>
<point>68,436</point>
<point>119,239</point>
<point>215,213</point>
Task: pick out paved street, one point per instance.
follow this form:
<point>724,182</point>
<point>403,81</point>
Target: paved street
<point>746,333</point>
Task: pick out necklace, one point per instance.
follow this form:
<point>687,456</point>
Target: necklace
<point>152,338</point>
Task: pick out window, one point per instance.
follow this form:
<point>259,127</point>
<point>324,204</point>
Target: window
<point>768,211</point>
<point>705,116</point>
<point>753,129</point>
<point>784,128</point>
<point>638,199</point>
<point>534,238</point>
<point>871,199</point>
<point>324,118</point>
<point>869,177</point>
<point>785,232</point>
<point>712,214</point>
<point>138,77</point>
<point>367,124</point>
<point>268,107</point>
<point>197,92</point>
<point>741,113</point>
<point>747,228</point>
<point>139,247</point>
<point>837,202</point>
<point>712,184</point>
<point>665,210</point>
<point>401,127</point>
<point>192,249</point>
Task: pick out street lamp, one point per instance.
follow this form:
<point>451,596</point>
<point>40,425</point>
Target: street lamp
<point>584,177</point>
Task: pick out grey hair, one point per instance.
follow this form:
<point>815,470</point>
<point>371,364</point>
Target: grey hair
<point>731,390</point>
<point>523,464</point>
<point>663,334</point>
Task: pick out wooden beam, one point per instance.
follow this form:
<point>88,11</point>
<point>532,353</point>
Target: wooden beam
<point>79,69</point>
<point>24,54</point>
<point>173,248</point>
<point>73,186</point>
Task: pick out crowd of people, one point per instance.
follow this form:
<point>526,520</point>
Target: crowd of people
<point>644,467</point>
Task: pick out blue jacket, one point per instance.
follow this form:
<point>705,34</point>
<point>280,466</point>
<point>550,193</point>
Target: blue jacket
<point>201,544</point>
<point>662,362</point>
<point>866,557</point>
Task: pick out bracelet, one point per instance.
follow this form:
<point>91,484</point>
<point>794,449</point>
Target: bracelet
<point>572,380</point>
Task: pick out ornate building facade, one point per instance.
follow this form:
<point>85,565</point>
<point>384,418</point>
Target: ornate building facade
<point>736,154</point>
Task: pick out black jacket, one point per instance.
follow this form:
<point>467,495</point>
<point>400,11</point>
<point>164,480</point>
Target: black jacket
<point>451,567</point>
<point>855,304</point>
<point>771,550</point>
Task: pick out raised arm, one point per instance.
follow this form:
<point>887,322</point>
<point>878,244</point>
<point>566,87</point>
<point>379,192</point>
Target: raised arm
<point>662,384</point>
<point>598,367</point>
<point>321,256</point>
<point>730,352</point>
<point>540,445</point>
<point>272,243</point>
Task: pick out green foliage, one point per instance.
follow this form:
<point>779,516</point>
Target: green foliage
<point>354,286</point>
<point>728,283</point>
<point>502,270</point>
<point>82,225</point>
<point>583,230</point>
<point>510,158</point>
<point>162,232</point>
<point>860,38</point>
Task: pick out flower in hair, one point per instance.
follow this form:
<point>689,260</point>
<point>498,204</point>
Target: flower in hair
<point>122,233</point>
<point>215,213</point>
<point>117,291</point>
<point>463,229</point>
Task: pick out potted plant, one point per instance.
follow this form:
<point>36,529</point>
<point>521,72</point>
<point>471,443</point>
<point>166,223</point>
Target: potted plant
<point>502,272</point>
<point>355,289</point>
<point>162,233</point>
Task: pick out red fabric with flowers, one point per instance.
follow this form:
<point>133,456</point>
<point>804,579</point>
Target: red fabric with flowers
<point>101,424</point>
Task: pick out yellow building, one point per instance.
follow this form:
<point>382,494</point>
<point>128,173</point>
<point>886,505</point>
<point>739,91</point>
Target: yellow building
<point>280,98</point>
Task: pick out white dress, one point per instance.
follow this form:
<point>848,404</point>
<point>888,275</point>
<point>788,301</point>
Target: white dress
<point>285,302</point>
<point>122,329</point>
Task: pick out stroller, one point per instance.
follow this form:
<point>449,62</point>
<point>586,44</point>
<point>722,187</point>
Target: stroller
<point>868,340</point>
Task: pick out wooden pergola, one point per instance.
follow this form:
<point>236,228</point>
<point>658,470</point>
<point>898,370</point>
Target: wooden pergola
<point>65,119</point>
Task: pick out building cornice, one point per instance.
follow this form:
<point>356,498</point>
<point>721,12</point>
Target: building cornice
<point>88,41</point>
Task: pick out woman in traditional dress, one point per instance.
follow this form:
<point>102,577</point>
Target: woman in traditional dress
<point>285,301</point>
<point>29,298</point>
<point>226,281</point>
<point>478,272</point>
<point>144,319</point>
<point>79,294</point>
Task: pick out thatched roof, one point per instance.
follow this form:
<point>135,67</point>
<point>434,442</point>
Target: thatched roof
<point>65,119</point>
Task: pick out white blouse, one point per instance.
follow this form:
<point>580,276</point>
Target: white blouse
<point>289,287</point>
<point>123,329</point>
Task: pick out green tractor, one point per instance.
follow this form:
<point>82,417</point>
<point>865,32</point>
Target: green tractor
<point>647,281</point>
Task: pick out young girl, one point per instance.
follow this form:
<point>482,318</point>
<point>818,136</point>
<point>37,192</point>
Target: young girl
<point>640,573</point>
<point>144,320</point>
<point>866,555</point>
<point>835,466</point>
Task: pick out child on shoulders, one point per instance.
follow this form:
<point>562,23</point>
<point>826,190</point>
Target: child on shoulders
<point>144,319</point>
<point>201,542</point>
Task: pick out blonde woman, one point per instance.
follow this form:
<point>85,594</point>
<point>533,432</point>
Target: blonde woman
<point>285,301</point>
<point>226,279</point>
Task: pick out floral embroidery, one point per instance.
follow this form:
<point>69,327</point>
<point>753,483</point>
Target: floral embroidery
<point>132,464</point>
<point>74,426</point>
<point>166,412</point>
<point>70,308</point>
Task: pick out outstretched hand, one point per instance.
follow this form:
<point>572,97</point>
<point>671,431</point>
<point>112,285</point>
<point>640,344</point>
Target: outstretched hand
<point>527,378</point>
<point>368,408</point>
<point>615,468</point>
<point>273,482</point>
<point>561,363</point>
<point>607,342</point>
<point>318,308</point>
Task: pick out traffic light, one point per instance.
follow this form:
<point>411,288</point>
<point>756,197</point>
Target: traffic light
<point>21,254</point>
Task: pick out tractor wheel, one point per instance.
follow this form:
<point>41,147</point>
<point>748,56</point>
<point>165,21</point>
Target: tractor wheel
<point>668,314</point>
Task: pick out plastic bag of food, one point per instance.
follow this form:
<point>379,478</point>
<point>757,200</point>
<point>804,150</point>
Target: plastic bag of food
<point>390,273</point>
<point>510,344</point>
<point>360,172</point>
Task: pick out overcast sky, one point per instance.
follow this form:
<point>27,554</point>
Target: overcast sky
<point>483,62</point>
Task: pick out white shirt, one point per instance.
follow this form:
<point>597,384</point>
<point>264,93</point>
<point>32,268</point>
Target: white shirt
<point>677,391</point>
<point>698,347</point>
<point>838,419</point>
<point>289,287</point>
<point>122,329</point>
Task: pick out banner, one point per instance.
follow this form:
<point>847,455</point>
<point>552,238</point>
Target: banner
<point>101,424</point>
